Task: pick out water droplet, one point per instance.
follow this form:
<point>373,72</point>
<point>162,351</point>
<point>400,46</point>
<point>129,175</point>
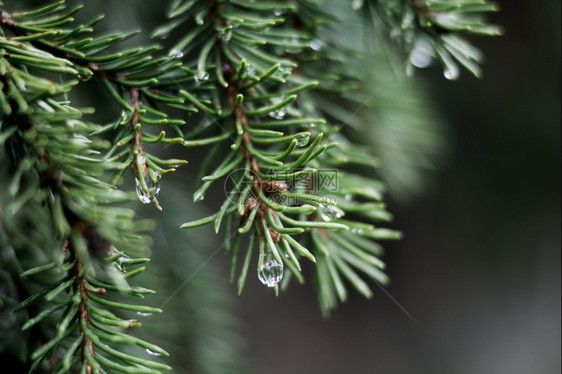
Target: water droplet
<point>84,76</point>
<point>348,197</point>
<point>284,69</point>
<point>451,72</point>
<point>198,196</point>
<point>201,77</point>
<point>279,12</point>
<point>175,53</point>
<point>153,188</point>
<point>331,212</point>
<point>144,314</point>
<point>143,196</point>
<point>121,262</point>
<point>422,54</point>
<point>315,44</point>
<point>124,259</point>
<point>420,58</point>
<point>225,34</point>
<point>152,353</point>
<point>277,114</point>
<point>153,183</point>
<point>119,267</point>
<point>357,231</point>
<point>303,141</point>
<point>271,272</point>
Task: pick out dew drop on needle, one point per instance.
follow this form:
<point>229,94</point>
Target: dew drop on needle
<point>271,272</point>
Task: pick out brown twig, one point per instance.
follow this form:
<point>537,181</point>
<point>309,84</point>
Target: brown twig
<point>80,286</point>
<point>259,186</point>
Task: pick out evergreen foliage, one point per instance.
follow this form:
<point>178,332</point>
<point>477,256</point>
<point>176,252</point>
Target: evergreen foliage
<point>273,98</point>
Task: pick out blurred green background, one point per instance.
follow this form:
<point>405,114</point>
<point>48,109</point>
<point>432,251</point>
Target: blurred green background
<point>479,268</point>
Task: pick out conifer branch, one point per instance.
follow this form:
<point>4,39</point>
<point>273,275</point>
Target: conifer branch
<point>272,95</point>
<point>265,203</point>
<point>56,164</point>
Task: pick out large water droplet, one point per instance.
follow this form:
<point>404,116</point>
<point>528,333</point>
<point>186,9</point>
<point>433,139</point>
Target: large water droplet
<point>201,77</point>
<point>153,188</point>
<point>271,272</point>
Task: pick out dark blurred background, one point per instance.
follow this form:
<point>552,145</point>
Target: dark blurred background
<point>476,280</point>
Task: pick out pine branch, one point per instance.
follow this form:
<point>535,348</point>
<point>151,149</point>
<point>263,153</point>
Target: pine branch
<point>279,144</point>
<point>242,82</point>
